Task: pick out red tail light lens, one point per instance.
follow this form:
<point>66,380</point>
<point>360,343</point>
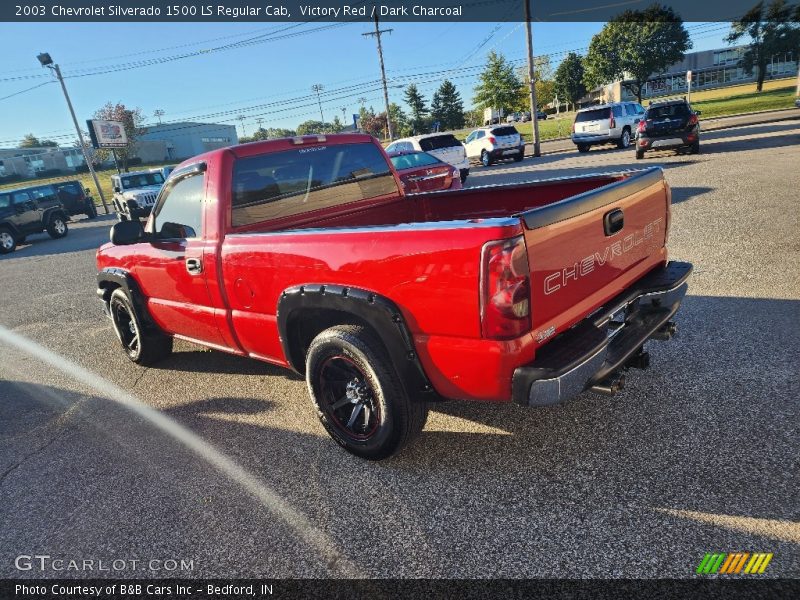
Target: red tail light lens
<point>642,127</point>
<point>611,122</point>
<point>505,290</point>
<point>692,121</point>
<point>573,127</point>
<point>491,140</point>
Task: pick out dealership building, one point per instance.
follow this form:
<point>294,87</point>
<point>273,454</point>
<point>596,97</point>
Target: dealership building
<point>710,69</point>
<point>185,139</point>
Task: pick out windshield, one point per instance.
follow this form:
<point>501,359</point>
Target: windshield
<point>281,184</point>
<point>140,180</point>
<point>438,142</point>
<point>416,159</point>
<point>593,115</point>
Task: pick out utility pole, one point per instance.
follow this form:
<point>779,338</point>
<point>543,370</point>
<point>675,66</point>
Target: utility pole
<point>344,114</point>
<point>46,61</point>
<point>537,151</point>
<point>241,120</point>
<point>158,113</point>
<point>377,33</point>
<point>317,88</point>
<point>260,120</point>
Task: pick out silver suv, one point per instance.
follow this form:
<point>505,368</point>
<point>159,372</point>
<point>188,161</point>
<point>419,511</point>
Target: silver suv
<point>607,123</point>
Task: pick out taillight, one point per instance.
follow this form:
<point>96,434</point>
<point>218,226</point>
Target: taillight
<point>505,290</point>
<point>642,127</point>
<point>491,140</point>
<point>573,127</point>
<point>668,191</point>
<point>611,122</point>
<point>692,121</point>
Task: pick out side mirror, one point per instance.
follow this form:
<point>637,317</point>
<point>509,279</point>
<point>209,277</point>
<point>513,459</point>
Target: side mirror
<point>125,233</point>
<point>698,112</point>
<point>88,191</point>
<point>116,189</point>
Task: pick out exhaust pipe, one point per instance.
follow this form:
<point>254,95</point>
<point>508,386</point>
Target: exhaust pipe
<point>610,385</point>
<point>665,332</point>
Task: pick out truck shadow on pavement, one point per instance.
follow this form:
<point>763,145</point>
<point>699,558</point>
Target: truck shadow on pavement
<point>692,456</point>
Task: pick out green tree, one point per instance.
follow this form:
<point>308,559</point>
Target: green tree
<point>416,105</point>
<point>132,119</point>
<point>31,141</point>
<point>401,126</point>
<point>313,127</point>
<point>447,107</point>
<point>772,29</point>
<point>635,45</point>
<point>498,85</point>
<point>568,77</point>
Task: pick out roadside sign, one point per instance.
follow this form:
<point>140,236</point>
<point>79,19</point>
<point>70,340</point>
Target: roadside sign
<point>689,76</point>
<point>107,134</point>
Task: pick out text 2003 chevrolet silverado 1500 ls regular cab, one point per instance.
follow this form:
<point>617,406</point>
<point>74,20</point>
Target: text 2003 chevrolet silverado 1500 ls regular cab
<point>305,253</point>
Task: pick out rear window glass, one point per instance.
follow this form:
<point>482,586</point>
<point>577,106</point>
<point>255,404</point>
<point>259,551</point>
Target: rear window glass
<point>592,115</point>
<point>503,131</point>
<point>417,159</point>
<point>281,184</point>
<point>669,110</point>
<point>438,142</point>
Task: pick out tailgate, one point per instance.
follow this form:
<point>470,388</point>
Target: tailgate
<point>584,250</point>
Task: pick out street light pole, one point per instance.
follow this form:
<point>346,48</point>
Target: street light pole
<point>534,108</point>
<point>46,61</point>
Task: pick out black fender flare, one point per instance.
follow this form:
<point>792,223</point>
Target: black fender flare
<point>50,212</point>
<point>112,278</point>
<point>376,311</point>
<point>14,230</point>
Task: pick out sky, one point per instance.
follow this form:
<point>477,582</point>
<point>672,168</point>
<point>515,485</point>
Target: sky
<point>267,75</point>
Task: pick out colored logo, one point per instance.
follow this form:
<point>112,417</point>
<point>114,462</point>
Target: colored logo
<point>734,563</point>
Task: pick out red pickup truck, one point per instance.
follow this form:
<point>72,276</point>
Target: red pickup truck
<point>305,253</point>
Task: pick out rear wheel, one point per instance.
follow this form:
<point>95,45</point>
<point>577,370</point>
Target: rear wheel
<point>8,242</point>
<point>486,160</point>
<point>583,147</point>
<point>639,154</point>
<point>57,227</point>
<point>91,210</point>
<point>520,156</point>
<point>695,148</point>
<point>625,139</point>
<point>357,394</point>
<point>141,347</point>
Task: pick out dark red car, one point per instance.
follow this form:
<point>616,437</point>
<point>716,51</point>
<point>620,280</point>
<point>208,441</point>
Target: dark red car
<point>423,172</point>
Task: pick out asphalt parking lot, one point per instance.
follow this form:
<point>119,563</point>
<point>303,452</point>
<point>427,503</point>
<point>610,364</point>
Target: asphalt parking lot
<point>698,454</point>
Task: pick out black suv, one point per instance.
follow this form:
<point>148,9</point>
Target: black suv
<point>76,199</point>
<point>668,124</point>
<point>28,210</point>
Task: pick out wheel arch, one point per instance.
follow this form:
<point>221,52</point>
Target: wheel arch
<point>305,311</point>
<point>112,278</point>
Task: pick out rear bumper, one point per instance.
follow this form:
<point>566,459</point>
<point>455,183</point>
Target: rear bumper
<point>501,153</point>
<point>581,139</point>
<point>676,140</point>
<point>605,341</point>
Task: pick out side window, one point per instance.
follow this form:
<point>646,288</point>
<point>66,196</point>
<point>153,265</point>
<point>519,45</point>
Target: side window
<point>617,110</point>
<point>480,135</point>
<point>21,197</point>
<point>392,147</point>
<point>5,200</point>
<point>639,109</point>
<point>180,211</point>
<point>407,147</point>
<point>470,137</point>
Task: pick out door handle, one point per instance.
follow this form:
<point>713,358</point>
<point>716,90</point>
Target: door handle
<point>194,266</point>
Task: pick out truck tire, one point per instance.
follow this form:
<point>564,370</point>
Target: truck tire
<point>142,347</point>
<point>357,394</point>
<point>57,226</point>
<point>8,243</point>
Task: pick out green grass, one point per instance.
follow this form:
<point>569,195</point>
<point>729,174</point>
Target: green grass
<point>745,103</point>
<point>86,180</point>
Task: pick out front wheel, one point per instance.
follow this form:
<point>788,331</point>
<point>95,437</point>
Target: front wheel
<point>57,227</point>
<point>8,243</point>
<point>357,394</point>
<point>141,347</point>
<point>486,160</point>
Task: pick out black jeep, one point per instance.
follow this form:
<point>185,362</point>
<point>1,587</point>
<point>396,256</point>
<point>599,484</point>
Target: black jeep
<point>28,210</point>
<point>76,199</point>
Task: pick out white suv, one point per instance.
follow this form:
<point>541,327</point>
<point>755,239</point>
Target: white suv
<point>443,146</point>
<point>497,142</point>
<point>135,193</point>
<point>608,123</point>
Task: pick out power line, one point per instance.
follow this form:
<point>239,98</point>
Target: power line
<point>26,90</point>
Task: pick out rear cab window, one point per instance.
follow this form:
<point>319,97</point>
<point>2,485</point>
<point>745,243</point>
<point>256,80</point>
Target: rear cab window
<point>438,142</point>
<point>301,180</point>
